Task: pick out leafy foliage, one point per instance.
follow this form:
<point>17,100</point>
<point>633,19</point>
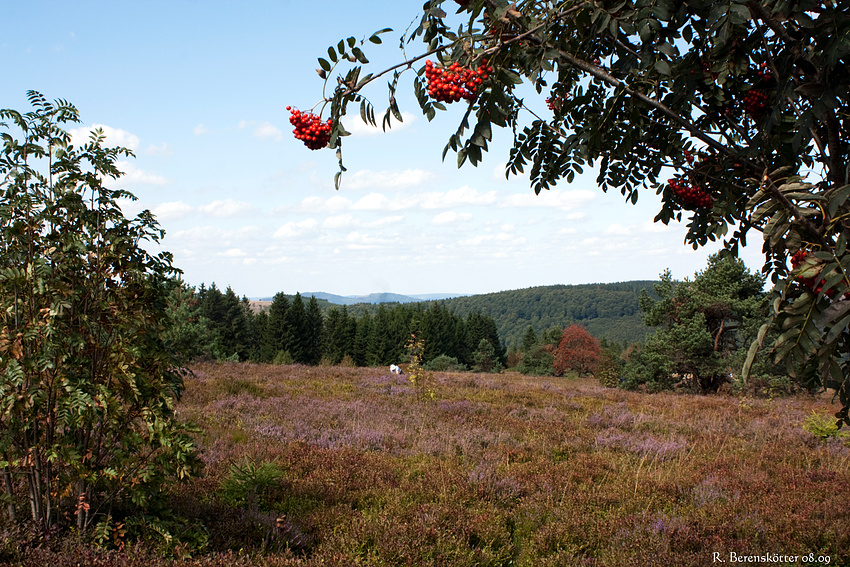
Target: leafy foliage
<point>88,383</point>
<point>578,351</point>
<point>741,105</point>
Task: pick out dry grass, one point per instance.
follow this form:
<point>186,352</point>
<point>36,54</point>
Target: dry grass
<point>501,470</point>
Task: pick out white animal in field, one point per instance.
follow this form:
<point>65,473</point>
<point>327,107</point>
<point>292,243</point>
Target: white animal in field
<point>395,369</point>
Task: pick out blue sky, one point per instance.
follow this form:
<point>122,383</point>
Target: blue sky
<point>198,90</point>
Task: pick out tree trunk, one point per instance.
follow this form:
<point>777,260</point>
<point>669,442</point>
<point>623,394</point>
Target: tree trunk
<point>10,493</point>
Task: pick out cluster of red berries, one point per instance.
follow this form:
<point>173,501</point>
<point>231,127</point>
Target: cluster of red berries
<point>813,284</point>
<point>755,103</point>
<point>310,129</point>
<point>690,196</point>
<point>764,73</point>
<point>555,101</point>
<point>452,83</point>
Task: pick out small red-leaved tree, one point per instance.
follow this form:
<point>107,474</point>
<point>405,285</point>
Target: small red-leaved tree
<point>577,350</point>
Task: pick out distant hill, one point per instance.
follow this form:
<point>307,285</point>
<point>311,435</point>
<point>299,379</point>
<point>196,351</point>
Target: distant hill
<point>371,298</point>
<point>377,297</point>
<point>607,310</point>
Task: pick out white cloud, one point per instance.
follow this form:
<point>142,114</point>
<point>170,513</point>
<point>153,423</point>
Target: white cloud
<point>387,179</point>
<point>233,253</point>
<point>376,202</point>
<point>385,221</point>
<point>659,227</point>
<point>564,199</point>
<point>315,205</point>
<point>478,240</point>
<point>161,150</point>
<point>338,221</point>
<point>172,210</point>
<point>362,241</point>
<point>129,207</point>
<point>114,136</point>
<point>268,131</point>
<point>458,197</point>
<point>224,208</point>
<point>294,229</point>
<point>450,217</point>
<point>359,128</point>
<point>135,176</point>
<point>618,229</point>
<point>200,130</point>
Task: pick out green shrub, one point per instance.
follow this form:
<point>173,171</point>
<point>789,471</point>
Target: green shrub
<point>249,483</point>
<point>824,427</point>
<point>445,363</point>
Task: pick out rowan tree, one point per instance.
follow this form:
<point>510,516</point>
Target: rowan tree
<point>88,376</point>
<point>735,113</point>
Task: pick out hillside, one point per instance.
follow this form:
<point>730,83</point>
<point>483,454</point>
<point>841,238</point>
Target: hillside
<point>607,310</point>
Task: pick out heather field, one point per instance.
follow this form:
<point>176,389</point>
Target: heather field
<point>353,466</point>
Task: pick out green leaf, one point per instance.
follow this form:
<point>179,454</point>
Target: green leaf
<point>358,54</point>
<point>324,64</point>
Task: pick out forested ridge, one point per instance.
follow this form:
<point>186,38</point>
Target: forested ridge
<point>608,310</point>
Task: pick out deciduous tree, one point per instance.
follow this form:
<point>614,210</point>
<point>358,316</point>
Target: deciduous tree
<point>88,385</point>
<point>577,351</point>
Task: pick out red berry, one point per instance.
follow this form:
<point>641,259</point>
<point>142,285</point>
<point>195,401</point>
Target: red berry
<point>310,129</point>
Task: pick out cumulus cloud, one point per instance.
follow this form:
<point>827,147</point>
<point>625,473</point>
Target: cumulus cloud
<point>135,176</point>
<point>114,136</point>
<point>377,202</point>
<point>268,131</point>
<point>294,229</point>
<point>315,205</point>
<point>618,229</point>
<point>338,221</point>
<point>264,130</point>
<point>458,197</point>
<point>385,221</point>
<point>225,208</point>
<point>357,240</point>
<point>478,239</point>
<point>555,198</point>
<point>200,130</point>
<point>450,217</point>
<point>233,253</point>
<point>387,179</point>
<point>173,210</point>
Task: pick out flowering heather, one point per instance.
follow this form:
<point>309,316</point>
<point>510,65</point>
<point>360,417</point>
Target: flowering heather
<point>497,469</point>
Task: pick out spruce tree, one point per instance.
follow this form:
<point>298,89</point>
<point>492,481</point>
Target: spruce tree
<point>314,332</point>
